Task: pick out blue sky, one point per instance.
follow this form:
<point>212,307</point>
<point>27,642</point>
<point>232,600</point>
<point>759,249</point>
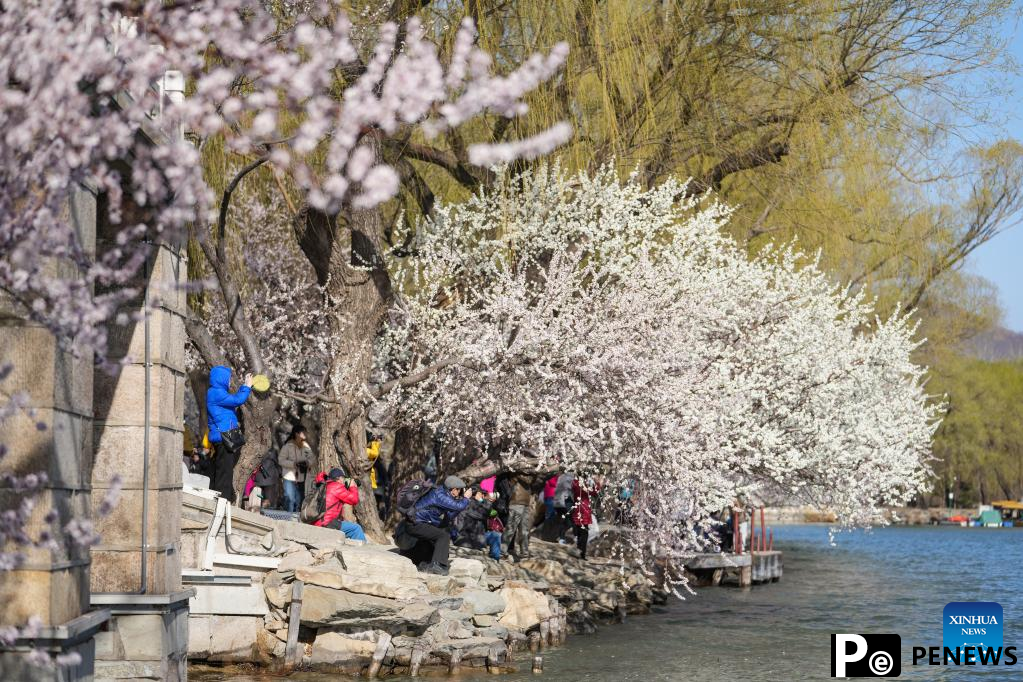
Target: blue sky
<point>999,259</point>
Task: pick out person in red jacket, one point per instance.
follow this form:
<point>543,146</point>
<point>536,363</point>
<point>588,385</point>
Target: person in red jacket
<point>340,491</point>
<point>582,511</point>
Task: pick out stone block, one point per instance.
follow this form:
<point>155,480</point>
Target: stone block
<point>166,340</point>
<point>233,638</point>
<point>120,400</point>
<point>374,560</point>
<point>335,649</point>
<point>62,449</point>
<point>277,592</point>
<point>290,562</point>
<point>49,376</point>
<point>472,569</point>
<point>200,633</point>
<point>15,667</point>
<point>483,602</point>
<point>68,505</point>
<point>142,636</point>
<point>56,596</point>
<point>340,610</point>
<point>167,269</point>
<point>193,548</point>
<point>308,534</point>
<point>170,270</point>
<point>119,570</point>
<point>525,608</point>
<point>107,671</point>
<point>118,451</point>
<point>236,600</point>
<point>122,528</point>
<point>383,585</point>
<point>441,584</point>
<point>108,643</point>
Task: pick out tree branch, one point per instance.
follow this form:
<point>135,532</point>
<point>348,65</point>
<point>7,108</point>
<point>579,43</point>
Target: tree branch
<point>754,157</point>
<point>225,202</point>
<point>445,160</point>
<point>199,335</point>
<point>410,379</point>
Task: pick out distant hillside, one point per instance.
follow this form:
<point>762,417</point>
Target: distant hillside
<point>997,344</point>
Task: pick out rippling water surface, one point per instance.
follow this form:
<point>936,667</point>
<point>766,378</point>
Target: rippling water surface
<point>887,580</point>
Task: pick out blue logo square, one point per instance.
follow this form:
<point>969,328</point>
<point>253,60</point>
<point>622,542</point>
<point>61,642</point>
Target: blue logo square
<point>972,623</point>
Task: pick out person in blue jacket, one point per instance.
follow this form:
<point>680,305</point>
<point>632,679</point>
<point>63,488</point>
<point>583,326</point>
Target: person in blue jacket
<point>434,514</point>
<point>225,432</point>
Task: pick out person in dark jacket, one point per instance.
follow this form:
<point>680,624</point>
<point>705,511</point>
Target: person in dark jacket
<point>433,517</point>
<point>224,430</point>
<point>520,514</point>
<point>471,524</point>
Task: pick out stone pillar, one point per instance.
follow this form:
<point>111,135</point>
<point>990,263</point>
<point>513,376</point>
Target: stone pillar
<point>53,583</point>
<point>147,637</point>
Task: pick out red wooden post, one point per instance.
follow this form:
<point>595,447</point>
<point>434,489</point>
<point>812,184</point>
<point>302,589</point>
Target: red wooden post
<point>763,535</point>
<point>736,546</point>
<point>770,544</point>
<point>752,528</point>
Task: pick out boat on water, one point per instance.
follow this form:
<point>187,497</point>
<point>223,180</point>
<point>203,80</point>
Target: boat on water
<point>1010,511</point>
<point>998,514</point>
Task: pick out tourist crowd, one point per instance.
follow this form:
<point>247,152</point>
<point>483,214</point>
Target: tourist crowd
<point>498,516</point>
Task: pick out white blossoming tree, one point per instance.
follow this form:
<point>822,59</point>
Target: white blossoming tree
<point>593,326</point>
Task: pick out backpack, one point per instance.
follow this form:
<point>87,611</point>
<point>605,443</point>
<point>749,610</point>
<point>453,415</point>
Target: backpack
<point>315,505</point>
<point>268,472</point>
<point>409,494</point>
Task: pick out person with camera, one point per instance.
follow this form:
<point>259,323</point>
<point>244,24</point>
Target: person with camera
<point>296,459</point>
<point>434,514</point>
<point>341,491</point>
<point>225,433</point>
<point>475,526</point>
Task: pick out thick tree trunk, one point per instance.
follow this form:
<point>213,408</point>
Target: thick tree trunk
<point>411,449</point>
<point>258,415</point>
<point>359,288</point>
<point>346,440</point>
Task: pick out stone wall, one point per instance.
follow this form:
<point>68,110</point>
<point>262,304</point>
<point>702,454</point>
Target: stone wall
<point>147,637</point>
<point>56,440</point>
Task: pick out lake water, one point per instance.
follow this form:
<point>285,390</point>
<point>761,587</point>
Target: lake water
<point>894,580</point>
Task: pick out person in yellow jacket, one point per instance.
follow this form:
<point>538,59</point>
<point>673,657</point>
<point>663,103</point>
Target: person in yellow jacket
<point>377,475</point>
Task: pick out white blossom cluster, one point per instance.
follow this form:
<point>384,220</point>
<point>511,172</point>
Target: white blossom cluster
<point>616,333</point>
<point>79,97</point>
<point>290,313</point>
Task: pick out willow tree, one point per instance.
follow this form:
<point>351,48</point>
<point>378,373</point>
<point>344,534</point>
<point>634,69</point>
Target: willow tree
<point>843,125</point>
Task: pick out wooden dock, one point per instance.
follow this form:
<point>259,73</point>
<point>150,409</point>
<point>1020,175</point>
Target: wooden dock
<point>725,568</point>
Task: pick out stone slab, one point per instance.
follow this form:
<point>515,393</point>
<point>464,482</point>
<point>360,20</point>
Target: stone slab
<point>483,602</point>
<point>200,633</point>
<point>229,600</point>
<point>233,638</point>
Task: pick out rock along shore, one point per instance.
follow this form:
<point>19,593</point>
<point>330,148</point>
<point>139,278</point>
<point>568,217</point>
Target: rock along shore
<point>366,610</point>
